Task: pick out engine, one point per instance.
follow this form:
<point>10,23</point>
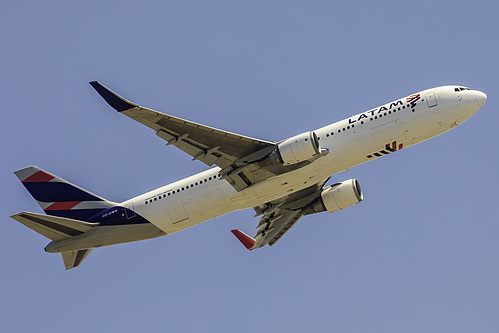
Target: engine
<point>336,197</point>
<point>297,149</point>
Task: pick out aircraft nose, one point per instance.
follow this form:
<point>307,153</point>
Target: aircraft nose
<point>480,98</point>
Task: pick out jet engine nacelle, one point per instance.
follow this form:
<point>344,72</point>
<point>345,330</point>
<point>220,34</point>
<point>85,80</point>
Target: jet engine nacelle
<point>294,150</point>
<point>299,148</point>
<point>336,197</point>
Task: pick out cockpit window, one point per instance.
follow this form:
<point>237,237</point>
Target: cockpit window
<point>461,89</point>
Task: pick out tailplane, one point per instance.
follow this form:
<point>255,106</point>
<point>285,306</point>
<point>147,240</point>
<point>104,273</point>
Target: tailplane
<point>59,197</point>
<point>74,258</point>
<point>67,207</point>
<point>53,227</point>
<point>58,228</point>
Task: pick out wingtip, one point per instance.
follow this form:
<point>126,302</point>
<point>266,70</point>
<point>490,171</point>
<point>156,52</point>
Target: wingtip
<point>246,240</point>
<point>113,99</point>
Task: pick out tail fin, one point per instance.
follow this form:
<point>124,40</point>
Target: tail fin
<point>58,197</point>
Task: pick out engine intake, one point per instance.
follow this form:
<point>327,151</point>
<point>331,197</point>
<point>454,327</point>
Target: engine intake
<point>336,197</point>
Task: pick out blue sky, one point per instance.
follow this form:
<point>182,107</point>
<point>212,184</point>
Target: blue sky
<point>419,254</point>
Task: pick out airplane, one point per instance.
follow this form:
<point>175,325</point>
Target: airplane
<point>282,181</point>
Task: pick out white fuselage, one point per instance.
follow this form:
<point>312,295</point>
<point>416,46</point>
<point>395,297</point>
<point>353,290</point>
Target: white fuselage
<point>350,142</point>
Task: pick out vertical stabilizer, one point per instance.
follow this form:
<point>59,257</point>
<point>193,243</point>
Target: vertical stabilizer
<point>59,197</point>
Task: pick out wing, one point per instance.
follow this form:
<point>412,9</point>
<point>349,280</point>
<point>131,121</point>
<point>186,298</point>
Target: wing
<point>271,229</point>
<point>279,216</point>
<point>209,145</point>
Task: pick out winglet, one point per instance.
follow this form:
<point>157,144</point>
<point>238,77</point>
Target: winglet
<point>247,241</point>
<point>116,101</point>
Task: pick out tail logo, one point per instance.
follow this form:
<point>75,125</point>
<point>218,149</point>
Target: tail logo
<point>61,198</point>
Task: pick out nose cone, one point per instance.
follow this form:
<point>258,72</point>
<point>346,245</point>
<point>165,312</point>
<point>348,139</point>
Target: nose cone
<point>480,98</point>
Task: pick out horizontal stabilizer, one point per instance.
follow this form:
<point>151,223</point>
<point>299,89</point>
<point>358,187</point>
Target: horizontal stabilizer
<point>53,227</point>
<point>247,241</point>
<point>73,259</point>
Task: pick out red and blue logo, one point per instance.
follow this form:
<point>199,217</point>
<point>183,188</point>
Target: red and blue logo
<point>413,98</point>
